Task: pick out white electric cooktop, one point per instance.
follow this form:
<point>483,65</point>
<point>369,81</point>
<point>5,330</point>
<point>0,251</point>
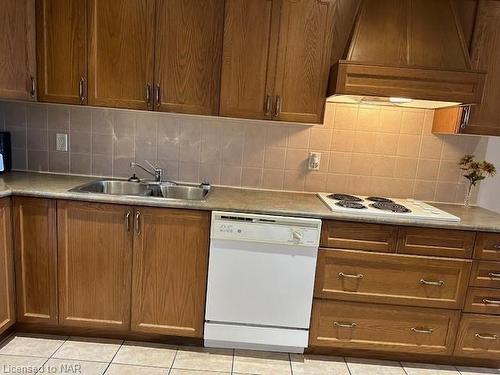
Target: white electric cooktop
<point>385,207</point>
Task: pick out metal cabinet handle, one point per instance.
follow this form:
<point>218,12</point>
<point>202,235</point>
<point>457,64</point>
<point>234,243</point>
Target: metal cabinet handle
<point>147,94</point>
<point>486,336</point>
<point>33,87</point>
<point>138,222</point>
<point>81,90</point>
<point>425,331</point>
<point>351,276</point>
<point>127,220</point>
<point>277,106</point>
<point>491,302</point>
<point>431,282</point>
<point>344,324</point>
<point>496,246</point>
<point>158,95</point>
<point>494,275</point>
<point>464,121</point>
<point>268,105</point>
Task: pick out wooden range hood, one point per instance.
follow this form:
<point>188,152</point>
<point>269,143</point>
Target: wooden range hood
<point>407,49</point>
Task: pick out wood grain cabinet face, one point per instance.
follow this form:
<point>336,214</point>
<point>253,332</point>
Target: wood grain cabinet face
<point>7,288</point>
<point>383,327</point>
<point>487,246</point>
<point>391,278</point>
<point>121,53</point>
<point>483,301</point>
<point>478,336</point>
<point>17,59</point>
<point>62,50</point>
<point>359,236</point>
<point>436,242</point>
<point>303,60</point>
<point>35,245</point>
<point>249,58</point>
<point>170,271</point>
<point>95,265</point>
<point>485,274</point>
<point>188,55</point>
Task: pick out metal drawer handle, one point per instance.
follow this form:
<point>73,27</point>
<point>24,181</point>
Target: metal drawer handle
<point>344,324</point>
<point>496,246</point>
<point>426,331</point>
<point>351,276</point>
<point>433,283</point>
<point>494,275</point>
<point>486,336</point>
<point>491,302</point>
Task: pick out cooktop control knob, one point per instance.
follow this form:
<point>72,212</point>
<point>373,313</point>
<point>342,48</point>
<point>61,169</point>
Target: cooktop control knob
<point>297,235</point>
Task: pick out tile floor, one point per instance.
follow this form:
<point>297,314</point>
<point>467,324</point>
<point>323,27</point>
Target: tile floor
<point>82,356</point>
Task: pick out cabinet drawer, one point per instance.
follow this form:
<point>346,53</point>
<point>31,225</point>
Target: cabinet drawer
<point>391,278</point>
<point>383,327</point>
<point>359,236</point>
<point>487,246</point>
<point>485,274</point>
<point>436,242</point>
<point>483,301</point>
<point>479,336</point>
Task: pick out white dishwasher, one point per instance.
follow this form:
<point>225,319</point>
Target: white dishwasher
<point>260,281</point>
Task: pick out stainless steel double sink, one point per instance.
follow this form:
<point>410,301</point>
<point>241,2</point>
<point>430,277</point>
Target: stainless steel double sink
<point>166,190</point>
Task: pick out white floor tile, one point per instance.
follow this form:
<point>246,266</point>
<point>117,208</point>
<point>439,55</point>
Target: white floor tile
<point>70,366</point>
<point>204,359</point>
<point>261,363</point>
<point>145,354</point>
<point>117,369</point>
<point>318,365</point>
<point>20,365</point>
<point>429,369</point>
<point>477,370</point>
<point>197,372</point>
<point>32,346</point>
<point>359,366</point>
<point>84,349</point>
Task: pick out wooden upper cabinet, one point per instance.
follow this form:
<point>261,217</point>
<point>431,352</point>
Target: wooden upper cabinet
<point>249,58</point>
<point>95,264</point>
<point>35,245</point>
<point>17,46</point>
<point>170,271</point>
<point>62,50</point>
<point>121,53</point>
<point>485,55</point>
<point>303,64</point>
<point>188,55</point>
<point>7,295</point>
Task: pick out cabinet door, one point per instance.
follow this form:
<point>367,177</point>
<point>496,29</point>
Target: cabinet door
<point>303,65</point>
<point>35,247</point>
<point>170,271</point>
<point>62,50</point>
<point>95,264</point>
<point>249,58</point>
<point>188,55</point>
<point>17,43</point>
<point>121,53</point>
<point>7,295</point>
<point>485,56</point>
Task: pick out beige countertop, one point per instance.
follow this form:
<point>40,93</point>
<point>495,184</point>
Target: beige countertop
<point>235,199</point>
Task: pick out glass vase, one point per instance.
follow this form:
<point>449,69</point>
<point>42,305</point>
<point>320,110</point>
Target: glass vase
<point>468,196</point>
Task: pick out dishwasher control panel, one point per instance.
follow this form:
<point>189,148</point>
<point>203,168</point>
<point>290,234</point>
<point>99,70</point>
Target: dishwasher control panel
<point>263,228</point>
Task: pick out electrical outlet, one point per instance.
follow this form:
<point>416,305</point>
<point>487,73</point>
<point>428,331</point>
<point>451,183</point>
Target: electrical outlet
<point>314,161</point>
<point>62,142</point>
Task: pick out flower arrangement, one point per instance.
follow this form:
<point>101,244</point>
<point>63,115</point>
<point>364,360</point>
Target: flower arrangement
<point>475,171</point>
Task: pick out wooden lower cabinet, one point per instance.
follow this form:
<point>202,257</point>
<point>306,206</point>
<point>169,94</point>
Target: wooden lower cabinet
<point>35,248</point>
<point>391,278</point>
<point>94,264</point>
<point>487,246</point>
<point>170,271</point>
<point>350,325</point>
<point>483,301</point>
<point>7,294</point>
<point>485,274</point>
<point>479,336</point>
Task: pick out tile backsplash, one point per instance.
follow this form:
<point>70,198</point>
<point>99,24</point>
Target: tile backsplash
<point>364,149</point>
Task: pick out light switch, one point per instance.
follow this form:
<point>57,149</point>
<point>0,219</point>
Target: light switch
<point>314,161</point>
<point>62,142</point>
